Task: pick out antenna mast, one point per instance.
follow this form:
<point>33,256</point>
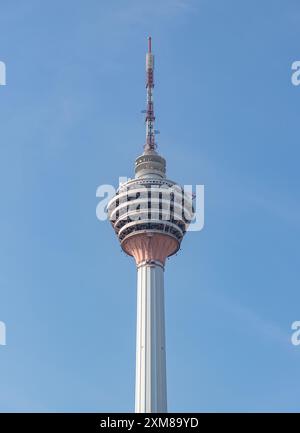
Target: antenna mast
<point>150,118</point>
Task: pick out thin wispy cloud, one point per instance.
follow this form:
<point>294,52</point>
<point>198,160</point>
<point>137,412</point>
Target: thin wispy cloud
<point>141,11</point>
<point>262,327</point>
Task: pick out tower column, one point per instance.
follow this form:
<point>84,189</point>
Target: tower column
<point>150,216</point>
<point>150,387</point>
<point>150,251</point>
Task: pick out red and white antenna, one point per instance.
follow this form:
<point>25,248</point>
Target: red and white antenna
<point>150,118</point>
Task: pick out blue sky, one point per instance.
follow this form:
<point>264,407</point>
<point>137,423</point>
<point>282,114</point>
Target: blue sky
<point>70,121</point>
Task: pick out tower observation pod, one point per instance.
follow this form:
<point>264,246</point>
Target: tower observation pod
<point>150,215</point>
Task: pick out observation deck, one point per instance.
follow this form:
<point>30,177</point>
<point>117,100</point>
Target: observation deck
<point>150,205</point>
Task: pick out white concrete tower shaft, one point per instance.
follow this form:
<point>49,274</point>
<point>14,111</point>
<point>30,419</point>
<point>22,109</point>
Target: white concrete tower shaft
<point>150,384</point>
<point>150,251</point>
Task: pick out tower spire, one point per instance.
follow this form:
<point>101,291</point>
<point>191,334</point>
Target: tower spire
<point>150,118</point>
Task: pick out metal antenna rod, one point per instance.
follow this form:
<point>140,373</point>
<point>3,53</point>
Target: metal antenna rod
<point>150,118</point>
